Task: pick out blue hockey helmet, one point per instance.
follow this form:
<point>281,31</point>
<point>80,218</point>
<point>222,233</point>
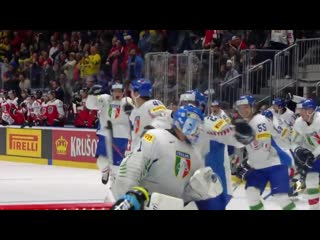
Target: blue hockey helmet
<point>268,114</point>
<point>308,103</point>
<point>194,97</point>
<point>246,99</point>
<point>215,103</point>
<point>280,102</point>
<point>143,87</point>
<point>188,119</point>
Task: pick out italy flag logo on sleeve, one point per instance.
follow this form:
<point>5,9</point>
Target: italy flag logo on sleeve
<point>182,165</point>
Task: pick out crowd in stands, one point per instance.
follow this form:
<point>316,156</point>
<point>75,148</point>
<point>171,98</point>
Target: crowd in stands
<point>63,65</point>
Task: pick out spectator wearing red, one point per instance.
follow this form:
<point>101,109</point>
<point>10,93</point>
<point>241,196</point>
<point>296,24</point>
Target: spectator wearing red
<point>128,45</point>
<point>238,43</point>
<point>210,37</point>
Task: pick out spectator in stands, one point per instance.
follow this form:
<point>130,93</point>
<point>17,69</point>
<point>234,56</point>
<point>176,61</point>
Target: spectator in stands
<point>210,39</point>
<point>230,71</point>
<point>103,81</point>
<point>24,83</point>
<point>36,70</point>
<point>4,66</point>
<point>53,49</point>
<point>135,64</point>
<point>59,93</point>
<point>93,64</point>
<point>281,39</point>
<point>90,82</point>
<point>145,41</point>
<point>68,67</point>
<point>225,36</point>
<point>238,43</point>
<point>24,52</point>
<point>10,80</point>
<point>4,47</point>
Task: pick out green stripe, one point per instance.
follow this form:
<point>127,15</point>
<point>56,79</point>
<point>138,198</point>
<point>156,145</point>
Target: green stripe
<point>312,191</point>
<point>259,206</point>
<point>291,206</point>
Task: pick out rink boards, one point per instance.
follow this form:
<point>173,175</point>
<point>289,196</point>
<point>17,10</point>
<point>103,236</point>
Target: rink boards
<point>70,147</point>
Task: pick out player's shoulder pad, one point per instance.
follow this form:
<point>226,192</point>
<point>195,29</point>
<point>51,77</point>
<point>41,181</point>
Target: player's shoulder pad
<point>262,126</point>
<point>156,107</point>
<point>150,136</point>
<point>215,124</point>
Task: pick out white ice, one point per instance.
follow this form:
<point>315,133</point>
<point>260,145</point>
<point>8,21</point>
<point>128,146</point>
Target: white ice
<point>24,183</point>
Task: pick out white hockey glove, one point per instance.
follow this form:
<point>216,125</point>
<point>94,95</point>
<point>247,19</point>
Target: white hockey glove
<point>204,184</point>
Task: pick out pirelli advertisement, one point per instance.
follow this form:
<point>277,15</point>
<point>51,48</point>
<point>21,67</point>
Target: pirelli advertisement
<point>24,142</point>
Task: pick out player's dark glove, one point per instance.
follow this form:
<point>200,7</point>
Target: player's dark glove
<point>243,170</point>
<point>304,158</point>
<point>244,132</point>
<point>132,200</point>
<point>128,108</point>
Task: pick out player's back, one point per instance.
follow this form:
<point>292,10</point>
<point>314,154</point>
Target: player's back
<point>173,164</point>
<point>142,116</point>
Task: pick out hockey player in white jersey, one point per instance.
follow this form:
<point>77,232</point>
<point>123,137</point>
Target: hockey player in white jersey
<point>216,111</point>
<point>146,109</point>
<point>267,162</point>
<point>167,162</point>
<point>282,112</point>
<point>306,146</point>
<point>111,109</point>
<point>283,139</point>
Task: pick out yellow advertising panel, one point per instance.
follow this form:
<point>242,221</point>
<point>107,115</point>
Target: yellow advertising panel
<point>23,142</point>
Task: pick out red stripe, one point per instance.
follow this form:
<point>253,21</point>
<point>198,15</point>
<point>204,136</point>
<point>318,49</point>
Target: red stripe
<point>313,201</point>
<point>291,174</point>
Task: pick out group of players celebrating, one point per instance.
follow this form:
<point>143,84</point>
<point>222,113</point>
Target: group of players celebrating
<point>152,157</point>
<point>155,158</point>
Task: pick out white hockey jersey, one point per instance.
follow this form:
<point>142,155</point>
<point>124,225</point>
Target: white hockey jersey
<point>264,151</point>
<point>307,136</point>
<point>59,104</point>
<point>288,116</point>
<point>111,110</point>
<point>222,114</point>
<point>160,163</point>
<point>284,132</point>
<point>142,116</point>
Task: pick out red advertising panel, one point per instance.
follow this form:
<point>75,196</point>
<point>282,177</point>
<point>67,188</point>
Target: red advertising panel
<point>79,146</point>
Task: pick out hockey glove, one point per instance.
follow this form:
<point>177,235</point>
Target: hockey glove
<point>244,132</point>
<point>243,170</point>
<point>128,108</point>
<point>95,90</point>
<point>303,158</point>
<point>132,200</point>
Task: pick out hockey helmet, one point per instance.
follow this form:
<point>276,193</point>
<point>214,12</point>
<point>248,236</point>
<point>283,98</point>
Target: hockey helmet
<point>188,119</point>
<point>143,87</point>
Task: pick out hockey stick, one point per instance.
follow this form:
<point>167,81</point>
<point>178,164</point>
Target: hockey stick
<point>110,128</point>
